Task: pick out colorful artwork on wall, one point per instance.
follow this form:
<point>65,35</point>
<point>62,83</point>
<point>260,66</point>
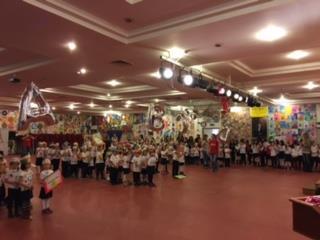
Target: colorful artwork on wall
<point>289,122</point>
<point>9,119</point>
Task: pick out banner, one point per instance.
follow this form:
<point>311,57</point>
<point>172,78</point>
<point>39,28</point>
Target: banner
<point>258,112</point>
<point>52,181</point>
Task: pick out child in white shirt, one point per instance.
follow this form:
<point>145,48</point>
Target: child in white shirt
<point>151,167</point>
<point>26,186</point>
<point>136,168</point>
<point>45,196</point>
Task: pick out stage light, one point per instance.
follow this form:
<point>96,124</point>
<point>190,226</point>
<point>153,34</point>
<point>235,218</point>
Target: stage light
<point>166,73</point>
<point>82,71</point>
<point>236,96</point>
<point>228,93</point>
<point>92,105</point>
<point>222,91</point>
<point>188,80</point>
<point>240,99</point>
<point>71,45</point>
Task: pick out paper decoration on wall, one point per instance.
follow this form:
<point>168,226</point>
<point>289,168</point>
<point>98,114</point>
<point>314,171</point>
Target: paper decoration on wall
<point>34,108</point>
<point>154,117</point>
<point>258,112</point>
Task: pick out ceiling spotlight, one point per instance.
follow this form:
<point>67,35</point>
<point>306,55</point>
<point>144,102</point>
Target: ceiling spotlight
<point>298,54</point>
<point>129,102</point>
<point>236,96</point>
<point>188,80</point>
<point>78,112</point>
<point>108,94</point>
<point>222,91</point>
<point>240,99</point>
<point>311,85</point>
<point>91,105</point>
<point>71,45</point>
<point>228,93</point>
<point>53,108</point>
<point>82,71</point>
<point>176,53</point>
<point>110,106</point>
<point>271,33</point>
<point>166,73</point>
<point>71,106</point>
<point>255,91</point>
<point>127,106</point>
<point>113,83</point>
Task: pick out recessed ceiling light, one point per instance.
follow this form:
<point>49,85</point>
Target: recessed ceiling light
<point>82,71</point>
<point>298,54</point>
<point>129,102</point>
<point>157,100</point>
<point>176,53</point>
<point>78,112</point>
<point>282,101</point>
<point>110,106</point>
<point>113,83</point>
<point>127,106</point>
<point>71,45</point>
<point>311,85</point>
<point>71,106</point>
<point>271,33</point>
<point>92,105</point>
<point>53,108</point>
<point>133,1</point>
<point>255,91</point>
<point>108,94</point>
<point>156,74</point>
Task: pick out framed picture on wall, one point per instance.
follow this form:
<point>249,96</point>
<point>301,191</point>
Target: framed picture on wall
<point>259,128</point>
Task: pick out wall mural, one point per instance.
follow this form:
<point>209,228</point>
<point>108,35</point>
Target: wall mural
<point>289,122</point>
<point>239,124</point>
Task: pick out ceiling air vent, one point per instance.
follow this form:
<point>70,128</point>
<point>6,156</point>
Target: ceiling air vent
<point>121,63</point>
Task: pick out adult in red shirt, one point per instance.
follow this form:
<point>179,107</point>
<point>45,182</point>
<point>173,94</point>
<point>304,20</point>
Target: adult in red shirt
<point>214,152</point>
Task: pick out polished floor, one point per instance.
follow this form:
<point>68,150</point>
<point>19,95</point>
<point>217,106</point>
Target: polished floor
<point>237,203</point>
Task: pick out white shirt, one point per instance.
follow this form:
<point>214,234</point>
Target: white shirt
<point>40,152</point>
<point>126,161</point>
<point>12,175</point>
<point>144,161</point>
<point>66,155</point>
<point>114,160</point>
<point>227,152</point>
<point>74,157</point>
<point>45,173</point>
<point>136,164</point>
<point>242,148</point>
<point>99,157</point>
<point>27,179</point>
<point>314,150</point>
<point>152,161</point>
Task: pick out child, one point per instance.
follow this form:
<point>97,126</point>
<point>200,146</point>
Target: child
<point>66,154</point>
<point>227,155</point>
<point>164,160</point>
<point>144,161</point>
<point>295,156</point>
<point>12,183</point>
<point>151,167</point>
<point>85,157</point>
<point>242,151</point>
<point>91,162</point>
<point>287,157</point>
<point>45,197</point>
<point>26,186</point>
<point>113,166</point>
<point>314,155</point>
<point>39,156</point>
<point>74,161</point>
<point>99,163</point>
<point>56,155</point>
<point>136,168</point>
<point>3,168</point>
<point>126,168</point>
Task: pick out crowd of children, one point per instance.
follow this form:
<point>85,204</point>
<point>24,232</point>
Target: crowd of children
<point>136,163</point>
<point>16,186</point>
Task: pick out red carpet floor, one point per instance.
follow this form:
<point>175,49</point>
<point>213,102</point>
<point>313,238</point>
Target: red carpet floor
<point>244,203</point>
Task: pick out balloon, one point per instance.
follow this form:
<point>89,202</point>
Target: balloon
<point>34,108</point>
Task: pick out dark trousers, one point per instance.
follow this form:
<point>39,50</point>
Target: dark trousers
<point>113,175</point>
<point>13,201</point>
<point>263,159</point>
<point>26,203</point>
<point>243,159</point>
<point>90,171</point>
<point>74,170</point>
<point>274,162</point>
<point>55,164</point>
<point>2,194</point>
<point>175,168</point>
<point>227,162</point>
<point>65,169</point>
<point>99,170</point>
<point>307,163</point>
<point>84,169</point>
<point>206,158</point>
<point>150,171</point>
<point>136,178</point>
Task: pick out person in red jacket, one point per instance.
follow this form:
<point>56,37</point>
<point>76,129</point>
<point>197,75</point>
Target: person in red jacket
<point>214,152</point>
